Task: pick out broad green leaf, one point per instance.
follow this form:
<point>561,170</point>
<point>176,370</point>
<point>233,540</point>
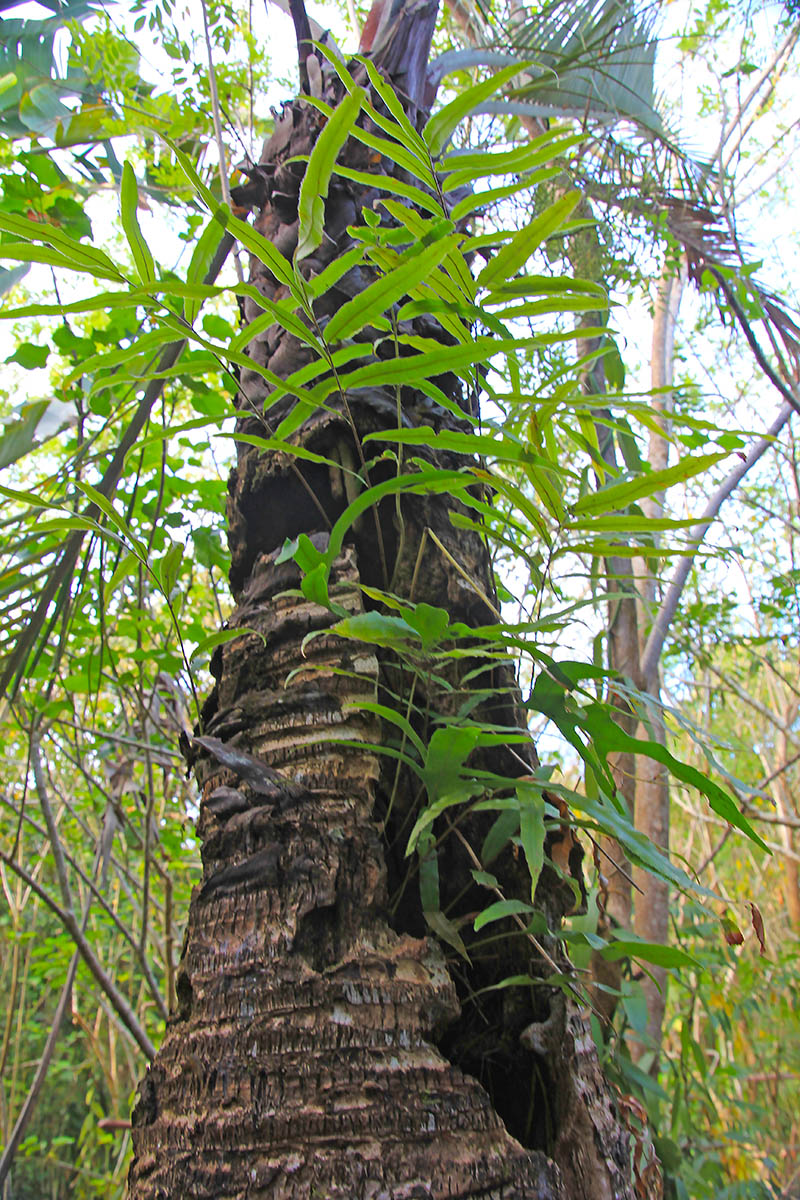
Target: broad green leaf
<point>127,565</point>
<point>379,629</point>
<point>221,638</point>
<point>448,750</point>
<point>442,124</point>
<point>504,828</point>
<point>512,257</point>
<point>413,268</point>
<point>29,355</point>
<point>618,495</point>
<point>429,623</point>
<point>129,200</point>
<point>652,952</point>
<point>531,831</point>
<point>444,928</point>
<point>500,910</point>
<point>485,878</point>
<point>19,436</point>
<point>316,181</point>
<point>170,566</point>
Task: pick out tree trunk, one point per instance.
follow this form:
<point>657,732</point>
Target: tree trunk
<point>652,785</point>
<point>323,1045</point>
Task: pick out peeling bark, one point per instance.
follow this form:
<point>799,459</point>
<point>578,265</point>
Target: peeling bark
<point>323,1044</point>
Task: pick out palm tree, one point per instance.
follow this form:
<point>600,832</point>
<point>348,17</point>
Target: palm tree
<point>322,1044</point>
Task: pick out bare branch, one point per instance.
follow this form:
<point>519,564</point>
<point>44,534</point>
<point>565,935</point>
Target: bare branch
<point>669,605</point>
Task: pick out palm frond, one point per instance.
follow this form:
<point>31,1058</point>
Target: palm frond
<point>590,60</point>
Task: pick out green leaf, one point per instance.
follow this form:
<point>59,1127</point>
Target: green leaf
<point>479,200</point>
<point>512,257</point>
<point>394,152</point>
<point>129,200</point>
<point>446,930</point>
<point>125,567</point>
<point>618,495</point>
<point>438,361</point>
<point>417,482</point>
<point>442,124</point>
<point>393,718</point>
<point>413,268</point>
<point>170,566</point>
<point>531,830</point>
<point>429,623</point>
<point>502,831</point>
<point>221,638</point>
<point>379,629</point>
<point>403,130</point>
<point>246,234</point>
<point>316,181</point>
<point>465,166</point>
<point>202,256</point>
<point>314,585</point>
<point>107,508</point>
<point>485,879</point>
<point>500,910</point>
<point>652,952</point>
<point>70,253</point>
<point>29,356</point>
<point>448,750</point>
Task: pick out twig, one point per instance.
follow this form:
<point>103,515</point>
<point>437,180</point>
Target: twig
<point>68,920</point>
<point>26,1112</point>
<point>669,605</point>
<point>60,575</point>
<point>223,168</point>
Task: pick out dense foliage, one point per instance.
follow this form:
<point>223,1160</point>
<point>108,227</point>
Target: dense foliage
<point>125,347</point>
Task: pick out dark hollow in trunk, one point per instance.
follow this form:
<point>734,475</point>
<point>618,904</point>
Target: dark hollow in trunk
<point>324,1045</point>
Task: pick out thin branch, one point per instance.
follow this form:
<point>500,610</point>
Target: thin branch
<point>68,920</point>
<point>61,572</point>
<point>27,1110</point>
<point>223,166</point>
<point>788,392</point>
<point>669,605</point>
<point>124,932</point>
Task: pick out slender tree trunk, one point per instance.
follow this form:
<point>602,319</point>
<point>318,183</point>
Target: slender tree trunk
<point>323,1046</point>
<point>615,871</point>
<point>651,919</point>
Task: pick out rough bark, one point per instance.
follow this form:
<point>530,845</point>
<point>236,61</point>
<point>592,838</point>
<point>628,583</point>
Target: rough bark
<point>323,1044</point>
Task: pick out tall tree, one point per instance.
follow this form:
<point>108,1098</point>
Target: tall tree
<point>321,1046</point>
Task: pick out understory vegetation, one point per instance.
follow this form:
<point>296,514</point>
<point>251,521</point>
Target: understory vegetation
<point>582,261</point>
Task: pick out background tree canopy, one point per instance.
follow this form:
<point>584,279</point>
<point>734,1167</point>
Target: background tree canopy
<point>570,289</point>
